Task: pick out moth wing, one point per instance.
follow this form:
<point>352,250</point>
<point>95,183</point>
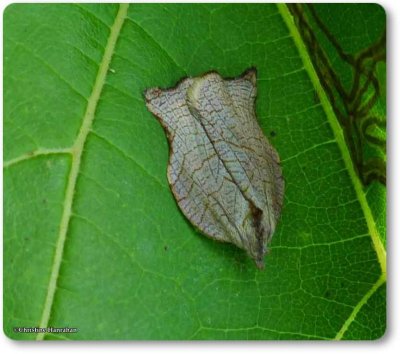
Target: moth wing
<point>202,186</point>
<point>169,106</point>
<point>226,109</point>
<point>194,171</point>
<point>243,92</point>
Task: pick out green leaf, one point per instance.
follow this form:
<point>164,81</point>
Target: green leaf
<point>346,43</point>
<point>93,238</point>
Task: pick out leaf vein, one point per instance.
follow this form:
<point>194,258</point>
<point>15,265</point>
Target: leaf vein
<point>50,68</point>
<point>77,151</point>
<point>124,154</point>
<point>157,44</point>
<point>32,154</point>
<point>338,134</point>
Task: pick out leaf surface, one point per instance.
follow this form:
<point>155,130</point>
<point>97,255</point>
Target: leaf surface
<point>93,238</point>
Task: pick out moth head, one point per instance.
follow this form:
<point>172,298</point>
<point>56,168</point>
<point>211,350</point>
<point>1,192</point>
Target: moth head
<point>200,85</point>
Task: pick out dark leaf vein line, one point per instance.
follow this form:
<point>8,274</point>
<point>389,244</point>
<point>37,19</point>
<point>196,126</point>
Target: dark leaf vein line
<point>338,133</point>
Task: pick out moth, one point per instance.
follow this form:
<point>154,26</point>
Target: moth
<point>224,174</point>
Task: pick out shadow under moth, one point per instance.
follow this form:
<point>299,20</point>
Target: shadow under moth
<point>224,174</point>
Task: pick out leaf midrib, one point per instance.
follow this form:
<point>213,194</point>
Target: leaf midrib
<point>77,152</point>
<point>337,131</point>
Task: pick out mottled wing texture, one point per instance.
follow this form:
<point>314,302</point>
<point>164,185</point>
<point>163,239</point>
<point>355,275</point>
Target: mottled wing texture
<point>194,168</point>
<point>223,172</point>
<point>261,153</point>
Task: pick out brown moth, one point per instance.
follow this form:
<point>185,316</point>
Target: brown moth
<point>222,170</point>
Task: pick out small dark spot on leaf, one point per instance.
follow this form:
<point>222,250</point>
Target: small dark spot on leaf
<point>165,248</point>
<point>272,133</point>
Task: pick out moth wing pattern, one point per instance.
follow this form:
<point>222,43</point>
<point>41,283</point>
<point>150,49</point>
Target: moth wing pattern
<point>223,172</point>
<point>188,186</point>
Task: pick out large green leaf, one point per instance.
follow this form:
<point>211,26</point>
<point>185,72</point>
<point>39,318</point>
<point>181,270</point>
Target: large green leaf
<point>93,238</point>
<point>347,46</point>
